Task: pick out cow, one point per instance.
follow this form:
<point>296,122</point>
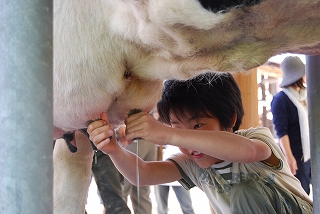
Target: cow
<point>113,56</point>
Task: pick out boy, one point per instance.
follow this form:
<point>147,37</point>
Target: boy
<point>240,171</point>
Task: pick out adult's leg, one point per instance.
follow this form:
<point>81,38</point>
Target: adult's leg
<point>162,194</point>
<point>184,199</point>
<point>108,180</point>
<point>141,202</point>
<point>140,197</point>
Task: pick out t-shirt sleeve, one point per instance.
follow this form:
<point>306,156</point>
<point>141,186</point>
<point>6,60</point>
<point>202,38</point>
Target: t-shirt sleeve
<point>263,134</point>
<point>187,170</point>
<point>185,181</point>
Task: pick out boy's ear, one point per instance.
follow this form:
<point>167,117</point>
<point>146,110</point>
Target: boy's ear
<point>234,120</point>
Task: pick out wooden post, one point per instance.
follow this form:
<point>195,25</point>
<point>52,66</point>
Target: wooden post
<point>249,90</point>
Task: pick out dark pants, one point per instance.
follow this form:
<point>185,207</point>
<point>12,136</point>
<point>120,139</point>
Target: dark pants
<point>304,174</point>
<point>109,182</point>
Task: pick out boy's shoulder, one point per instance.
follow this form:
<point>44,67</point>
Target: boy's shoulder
<point>263,134</point>
<point>259,133</point>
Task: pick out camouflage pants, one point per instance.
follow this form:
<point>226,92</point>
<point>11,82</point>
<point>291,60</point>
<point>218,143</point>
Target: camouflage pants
<point>109,182</point>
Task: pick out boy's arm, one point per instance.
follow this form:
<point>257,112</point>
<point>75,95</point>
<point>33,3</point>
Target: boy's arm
<point>222,145</point>
<point>150,173</point>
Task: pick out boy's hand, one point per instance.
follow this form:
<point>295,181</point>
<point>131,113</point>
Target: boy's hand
<point>145,126</point>
<point>101,133</point>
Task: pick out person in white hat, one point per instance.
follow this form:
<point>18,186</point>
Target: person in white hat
<point>290,119</point>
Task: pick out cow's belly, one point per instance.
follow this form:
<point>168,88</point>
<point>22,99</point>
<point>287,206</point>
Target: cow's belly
<point>74,108</point>
<point>73,116</point>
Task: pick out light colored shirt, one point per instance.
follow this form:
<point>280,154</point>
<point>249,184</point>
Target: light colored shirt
<point>218,180</point>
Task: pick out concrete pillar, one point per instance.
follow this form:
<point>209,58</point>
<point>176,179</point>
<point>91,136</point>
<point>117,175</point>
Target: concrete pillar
<point>313,88</point>
<point>26,123</point>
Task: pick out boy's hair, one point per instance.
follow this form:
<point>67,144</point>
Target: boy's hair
<point>207,95</point>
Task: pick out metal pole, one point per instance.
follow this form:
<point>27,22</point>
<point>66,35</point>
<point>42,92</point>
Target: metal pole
<point>313,79</point>
<point>26,123</point>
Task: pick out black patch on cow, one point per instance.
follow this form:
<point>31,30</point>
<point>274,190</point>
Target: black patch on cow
<point>135,111</point>
<point>68,137</point>
<point>225,5</point>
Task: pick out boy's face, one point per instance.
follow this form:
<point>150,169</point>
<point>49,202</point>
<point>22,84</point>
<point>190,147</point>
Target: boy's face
<point>211,124</point>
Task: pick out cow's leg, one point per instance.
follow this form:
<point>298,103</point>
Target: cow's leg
<point>71,175</point>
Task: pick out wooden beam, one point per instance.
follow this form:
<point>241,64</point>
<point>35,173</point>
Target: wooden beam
<point>249,90</point>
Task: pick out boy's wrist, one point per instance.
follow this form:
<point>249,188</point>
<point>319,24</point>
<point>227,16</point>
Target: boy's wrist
<point>117,150</point>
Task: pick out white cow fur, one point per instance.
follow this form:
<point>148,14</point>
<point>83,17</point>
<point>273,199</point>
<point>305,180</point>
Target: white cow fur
<point>96,42</point>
